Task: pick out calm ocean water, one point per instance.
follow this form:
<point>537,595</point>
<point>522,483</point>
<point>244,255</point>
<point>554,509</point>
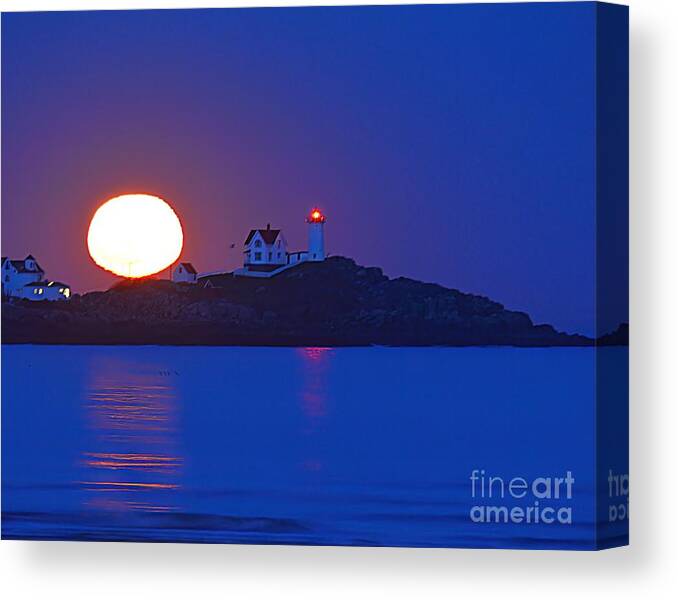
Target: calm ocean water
<point>369,446</point>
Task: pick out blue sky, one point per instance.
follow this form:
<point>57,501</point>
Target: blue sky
<point>453,144</point>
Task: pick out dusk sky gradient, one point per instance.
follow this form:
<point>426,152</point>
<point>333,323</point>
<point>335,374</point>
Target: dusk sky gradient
<point>452,144</point>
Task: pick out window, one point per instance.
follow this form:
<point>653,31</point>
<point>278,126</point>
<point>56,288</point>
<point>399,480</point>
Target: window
<point>279,254</point>
<point>270,255</point>
<point>278,245</point>
<point>6,278</point>
<point>257,256</point>
<point>257,244</point>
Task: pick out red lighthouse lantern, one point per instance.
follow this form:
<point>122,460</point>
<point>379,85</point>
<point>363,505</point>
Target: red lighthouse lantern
<point>315,216</point>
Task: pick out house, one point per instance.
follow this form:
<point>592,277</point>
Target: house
<point>46,290</point>
<point>24,279</point>
<point>17,273</point>
<point>184,272</point>
<point>266,249</point>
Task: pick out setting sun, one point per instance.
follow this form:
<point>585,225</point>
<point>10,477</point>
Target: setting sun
<point>135,235</point>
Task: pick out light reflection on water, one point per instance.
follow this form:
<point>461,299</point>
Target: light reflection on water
<point>314,401</point>
<point>316,362</point>
<point>367,446</point>
<point>132,460</point>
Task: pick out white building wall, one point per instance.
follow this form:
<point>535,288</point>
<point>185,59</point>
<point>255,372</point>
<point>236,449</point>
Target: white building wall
<point>14,282</point>
<point>280,250</point>
<point>255,253</point>
<point>181,275</point>
<point>258,252</point>
<point>316,241</point>
<point>297,257</point>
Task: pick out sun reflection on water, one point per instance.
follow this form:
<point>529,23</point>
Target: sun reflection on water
<point>133,463</point>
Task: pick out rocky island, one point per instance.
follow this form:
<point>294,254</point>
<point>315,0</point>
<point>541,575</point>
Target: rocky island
<point>330,303</point>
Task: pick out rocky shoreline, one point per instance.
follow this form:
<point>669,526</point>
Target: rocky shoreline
<point>333,303</point>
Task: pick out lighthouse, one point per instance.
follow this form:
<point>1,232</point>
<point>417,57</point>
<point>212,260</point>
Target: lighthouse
<point>316,235</point>
<point>266,251</point>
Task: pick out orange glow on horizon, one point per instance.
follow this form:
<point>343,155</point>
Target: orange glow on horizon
<point>135,235</point>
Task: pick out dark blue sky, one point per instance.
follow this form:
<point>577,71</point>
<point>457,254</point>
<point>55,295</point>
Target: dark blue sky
<point>450,144</point>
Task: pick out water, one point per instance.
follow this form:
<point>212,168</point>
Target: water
<point>369,446</point>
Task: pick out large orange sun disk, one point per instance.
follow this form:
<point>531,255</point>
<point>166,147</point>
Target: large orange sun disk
<point>135,235</point>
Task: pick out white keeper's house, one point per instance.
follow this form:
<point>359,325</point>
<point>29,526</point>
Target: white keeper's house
<point>266,251</point>
<point>25,279</point>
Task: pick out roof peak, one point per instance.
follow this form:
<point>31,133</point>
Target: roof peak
<point>20,265</point>
<point>268,235</point>
<point>189,267</point>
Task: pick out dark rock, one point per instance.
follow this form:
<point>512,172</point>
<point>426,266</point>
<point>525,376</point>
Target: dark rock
<point>619,337</point>
<point>335,302</point>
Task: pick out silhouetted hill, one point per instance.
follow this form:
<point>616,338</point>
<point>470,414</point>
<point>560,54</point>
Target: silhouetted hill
<point>332,303</point>
<point>619,337</point>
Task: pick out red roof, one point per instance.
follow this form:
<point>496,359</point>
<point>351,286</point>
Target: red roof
<point>189,268</point>
<point>269,235</point>
<point>20,265</point>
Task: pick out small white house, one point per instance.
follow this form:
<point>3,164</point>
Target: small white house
<point>24,279</point>
<point>184,272</point>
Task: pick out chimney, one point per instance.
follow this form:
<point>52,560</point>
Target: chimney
<point>268,227</point>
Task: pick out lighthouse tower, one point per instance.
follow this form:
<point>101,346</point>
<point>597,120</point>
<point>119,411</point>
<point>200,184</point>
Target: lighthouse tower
<point>316,235</point>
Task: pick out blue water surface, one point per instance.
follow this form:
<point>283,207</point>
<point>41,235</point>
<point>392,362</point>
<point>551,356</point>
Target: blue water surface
<point>368,446</point>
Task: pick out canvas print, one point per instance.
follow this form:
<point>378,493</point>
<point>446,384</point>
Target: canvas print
<point>327,276</point>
